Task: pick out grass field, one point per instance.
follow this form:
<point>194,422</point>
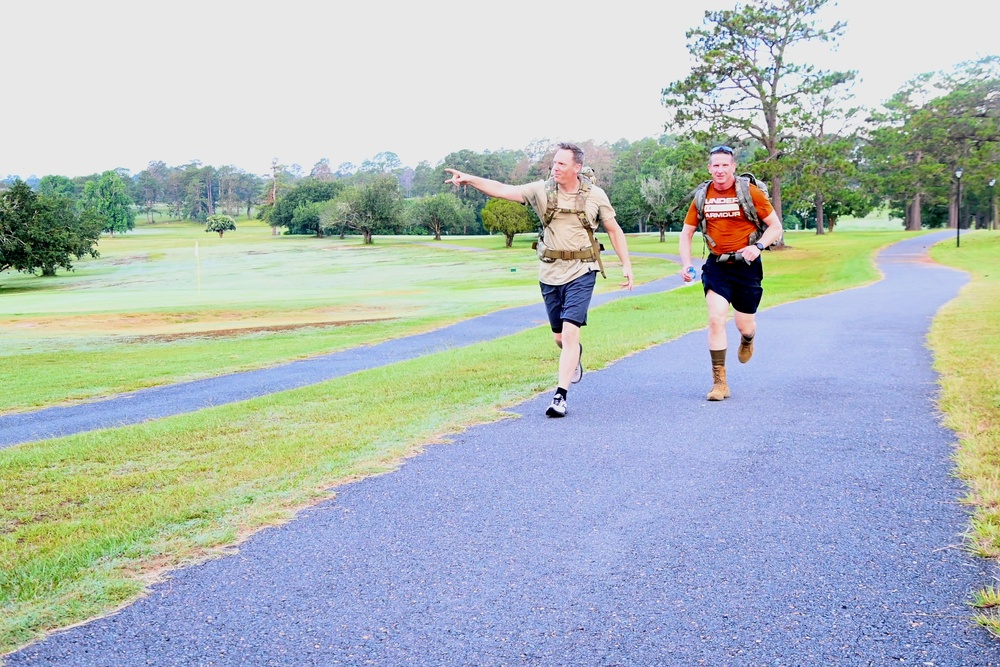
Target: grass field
<point>87,521</point>
<point>150,311</point>
<point>967,356</point>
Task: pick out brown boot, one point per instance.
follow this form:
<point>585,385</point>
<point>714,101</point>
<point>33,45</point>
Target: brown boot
<point>746,350</point>
<point>720,390</point>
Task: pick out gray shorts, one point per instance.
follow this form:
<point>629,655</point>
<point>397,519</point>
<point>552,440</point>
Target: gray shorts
<point>569,302</point>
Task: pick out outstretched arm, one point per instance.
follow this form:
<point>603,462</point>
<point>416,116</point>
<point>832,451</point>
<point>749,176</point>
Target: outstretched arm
<point>486,186</point>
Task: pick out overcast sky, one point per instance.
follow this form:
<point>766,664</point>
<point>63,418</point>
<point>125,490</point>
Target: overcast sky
<point>96,85</point>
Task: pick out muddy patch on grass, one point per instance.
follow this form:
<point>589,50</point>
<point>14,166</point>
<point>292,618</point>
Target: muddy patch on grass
<point>243,331</point>
<point>152,327</point>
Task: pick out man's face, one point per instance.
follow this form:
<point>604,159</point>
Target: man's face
<point>722,167</point>
<point>565,170</point>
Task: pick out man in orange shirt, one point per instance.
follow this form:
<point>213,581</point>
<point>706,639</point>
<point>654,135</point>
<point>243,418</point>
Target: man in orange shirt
<point>732,274</point>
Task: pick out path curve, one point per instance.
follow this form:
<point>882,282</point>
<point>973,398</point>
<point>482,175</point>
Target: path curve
<point>811,519</point>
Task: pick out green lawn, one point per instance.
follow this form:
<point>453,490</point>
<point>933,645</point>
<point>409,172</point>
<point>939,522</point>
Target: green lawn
<point>87,521</point>
<point>967,356</point>
<point>151,311</point>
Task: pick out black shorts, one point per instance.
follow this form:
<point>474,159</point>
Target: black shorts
<point>569,302</point>
<point>737,282</point>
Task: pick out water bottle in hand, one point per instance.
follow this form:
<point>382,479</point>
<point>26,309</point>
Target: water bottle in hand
<point>691,272</point>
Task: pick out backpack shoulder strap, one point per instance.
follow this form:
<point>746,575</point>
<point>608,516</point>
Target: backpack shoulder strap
<point>551,200</point>
<point>746,199</point>
<point>700,193</point>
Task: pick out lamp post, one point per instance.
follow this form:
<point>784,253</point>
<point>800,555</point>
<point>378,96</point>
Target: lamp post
<point>993,205</point>
<point>958,221</point>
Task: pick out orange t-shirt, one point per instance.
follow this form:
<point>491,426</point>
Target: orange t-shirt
<point>724,219</point>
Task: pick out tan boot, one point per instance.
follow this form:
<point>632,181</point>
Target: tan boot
<point>720,390</point>
<point>745,351</point>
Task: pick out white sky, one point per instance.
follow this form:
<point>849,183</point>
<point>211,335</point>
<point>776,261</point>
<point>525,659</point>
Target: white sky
<point>96,85</point>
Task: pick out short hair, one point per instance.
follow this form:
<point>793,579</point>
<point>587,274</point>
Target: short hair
<point>573,148</point>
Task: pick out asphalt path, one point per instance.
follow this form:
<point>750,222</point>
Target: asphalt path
<point>810,519</point>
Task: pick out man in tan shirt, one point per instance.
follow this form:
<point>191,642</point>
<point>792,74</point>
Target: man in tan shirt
<point>568,264</point>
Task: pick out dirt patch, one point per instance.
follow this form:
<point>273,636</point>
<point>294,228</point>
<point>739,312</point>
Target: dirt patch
<point>243,331</point>
<point>131,259</point>
<point>186,324</point>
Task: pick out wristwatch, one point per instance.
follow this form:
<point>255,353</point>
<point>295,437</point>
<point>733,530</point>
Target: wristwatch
<point>760,246</point>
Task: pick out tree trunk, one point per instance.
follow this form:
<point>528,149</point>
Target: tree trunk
<point>953,209</point>
<point>913,220</point>
<point>776,203</point>
<point>509,238</point>
<point>818,202</point>
<point>663,234</point>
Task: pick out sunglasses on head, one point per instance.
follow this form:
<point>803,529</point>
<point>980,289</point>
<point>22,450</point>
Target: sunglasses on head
<point>723,149</point>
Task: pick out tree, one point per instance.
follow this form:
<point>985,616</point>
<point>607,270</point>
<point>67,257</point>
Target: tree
<point>292,212</point>
<point>247,189</point>
<point>934,124</point>
<point>508,218</point>
<point>383,163</point>
<point>650,160</point>
<point>499,166</point>
<point>220,223</point>
<point>664,196</point>
<point>281,179</point>
<point>321,170</point>
<point>335,216</point>
<point>107,200</point>
<point>425,181</point>
<point>43,232</point>
<point>440,213</point>
<point>823,166</point>
<point>149,186</point>
<point>230,197</point>
<point>57,185</point>
<point>201,192</point>
<point>745,84</point>
<point>368,208</point>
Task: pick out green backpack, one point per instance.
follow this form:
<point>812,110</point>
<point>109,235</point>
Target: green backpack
<point>745,200</point>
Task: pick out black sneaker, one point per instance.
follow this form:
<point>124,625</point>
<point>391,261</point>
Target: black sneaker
<point>578,373</point>
<point>558,407</point>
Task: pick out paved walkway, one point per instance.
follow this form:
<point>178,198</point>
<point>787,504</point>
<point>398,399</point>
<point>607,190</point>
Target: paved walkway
<point>808,520</point>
